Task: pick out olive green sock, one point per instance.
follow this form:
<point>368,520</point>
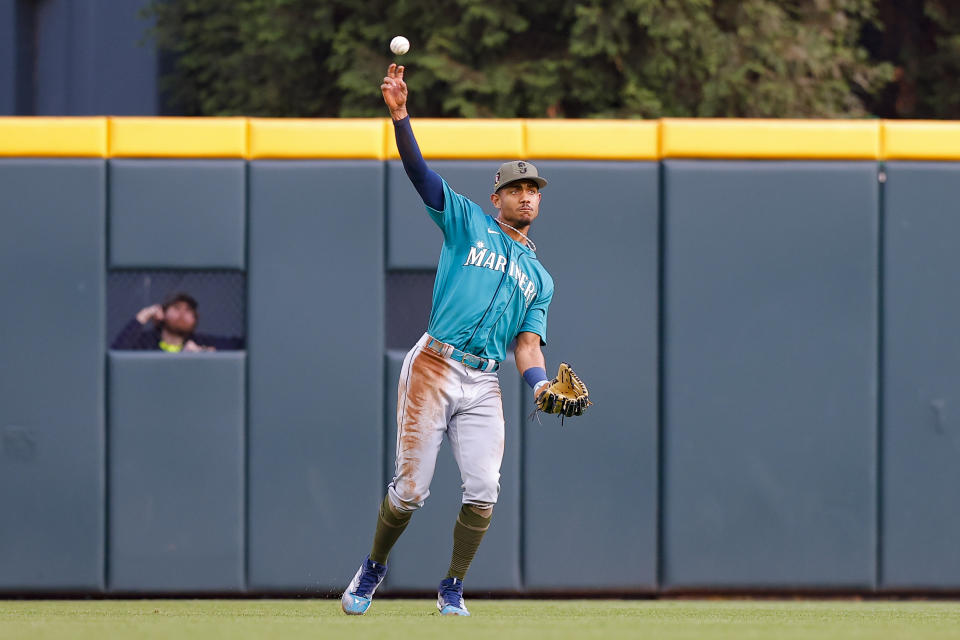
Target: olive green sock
<point>390,524</point>
<point>467,534</point>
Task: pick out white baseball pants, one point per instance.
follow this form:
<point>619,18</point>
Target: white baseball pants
<point>438,396</point>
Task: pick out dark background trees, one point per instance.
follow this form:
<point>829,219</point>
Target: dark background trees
<point>565,58</point>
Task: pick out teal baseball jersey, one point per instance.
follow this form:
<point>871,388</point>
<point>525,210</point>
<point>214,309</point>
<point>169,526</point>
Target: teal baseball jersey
<point>489,287</point>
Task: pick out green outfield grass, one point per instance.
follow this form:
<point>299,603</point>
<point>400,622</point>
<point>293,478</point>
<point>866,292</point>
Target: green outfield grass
<point>491,620</point>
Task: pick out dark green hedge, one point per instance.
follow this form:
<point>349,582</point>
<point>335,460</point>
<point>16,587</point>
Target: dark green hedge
<point>553,58</point>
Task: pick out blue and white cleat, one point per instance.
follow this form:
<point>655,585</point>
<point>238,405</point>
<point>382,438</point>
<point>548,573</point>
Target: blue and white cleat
<point>359,594</point>
<point>450,598</point>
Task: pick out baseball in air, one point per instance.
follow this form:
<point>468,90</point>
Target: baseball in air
<point>399,45</point>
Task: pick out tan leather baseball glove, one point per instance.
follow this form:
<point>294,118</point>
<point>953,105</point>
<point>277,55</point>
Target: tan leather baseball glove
<point>565,395</point>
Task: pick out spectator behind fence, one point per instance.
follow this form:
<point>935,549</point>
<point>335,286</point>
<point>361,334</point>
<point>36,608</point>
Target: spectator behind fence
<point>171,327</point>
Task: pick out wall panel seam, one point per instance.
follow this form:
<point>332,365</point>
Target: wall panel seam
<point>880,368</point>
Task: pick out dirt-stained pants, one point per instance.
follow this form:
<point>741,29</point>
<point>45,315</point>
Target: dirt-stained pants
<point>438,396</point>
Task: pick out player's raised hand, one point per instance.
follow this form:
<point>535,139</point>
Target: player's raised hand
<point>394,91</point>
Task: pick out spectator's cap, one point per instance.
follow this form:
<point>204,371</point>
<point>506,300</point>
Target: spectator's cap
<point>180,296</point>
<point>516,171</point>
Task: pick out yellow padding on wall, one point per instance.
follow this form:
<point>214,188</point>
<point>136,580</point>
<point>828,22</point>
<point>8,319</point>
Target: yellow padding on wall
<point>318,138</point>
<point>593,139</point>
<point>921,140</point>
<point>749,138</point>
<point>480,139</point>
<point>373,138</point>
<point>61,137</point>
<point>178,137</point>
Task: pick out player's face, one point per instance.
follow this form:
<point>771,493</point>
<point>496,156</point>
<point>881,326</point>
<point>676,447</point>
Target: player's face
<point>519,203</point>
<point>180,318</point>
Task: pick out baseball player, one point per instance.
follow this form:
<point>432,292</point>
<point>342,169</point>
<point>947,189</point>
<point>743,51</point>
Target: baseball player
<point>489,289</point>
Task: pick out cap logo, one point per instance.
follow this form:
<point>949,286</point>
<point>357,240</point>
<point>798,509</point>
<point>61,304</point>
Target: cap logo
<point>522,167</point>
<point>496,179</point>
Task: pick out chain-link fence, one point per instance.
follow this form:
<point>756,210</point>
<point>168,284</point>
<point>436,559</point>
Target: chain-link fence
<point>222,300</point>
<point>409,295</point>
<point>220,294</point>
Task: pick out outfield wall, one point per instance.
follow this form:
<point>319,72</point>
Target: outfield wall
<point>765,312</point>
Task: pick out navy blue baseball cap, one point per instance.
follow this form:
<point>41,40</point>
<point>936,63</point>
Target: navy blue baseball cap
<point>180,296</point>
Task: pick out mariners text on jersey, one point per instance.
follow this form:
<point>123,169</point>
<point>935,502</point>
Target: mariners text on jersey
<point>489,287</point>
<point>498,263</point>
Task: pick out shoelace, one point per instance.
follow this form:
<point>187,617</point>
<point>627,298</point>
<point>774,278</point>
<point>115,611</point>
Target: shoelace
<point>453,594</point>
<point>369,578</point>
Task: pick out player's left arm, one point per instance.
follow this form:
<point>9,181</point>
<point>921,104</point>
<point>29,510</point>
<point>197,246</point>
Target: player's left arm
<point>531,336</point>
<point>566,394</point>
<point>530,361</point>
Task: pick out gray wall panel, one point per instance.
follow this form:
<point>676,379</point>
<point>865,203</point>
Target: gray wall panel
<point>8,57</point>
<point>52,256</point>
<point>125,78</point>
<point>921,385</point>
<point>413,240</point>
<point>176,472</point>
<point>177,213</point>
<point>94,58</point>
<point>56,61</point>
<point>770,374</point>
<point>315,331</point>
<point>590,501</point>
<point>422,555</point>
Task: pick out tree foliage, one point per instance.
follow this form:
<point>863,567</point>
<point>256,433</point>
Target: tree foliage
<point>561,58</point>
<point>922,39</point>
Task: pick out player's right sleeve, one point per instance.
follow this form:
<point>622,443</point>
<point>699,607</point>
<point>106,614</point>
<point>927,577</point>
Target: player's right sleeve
<point>458,210</point>
<point>426,181</point>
